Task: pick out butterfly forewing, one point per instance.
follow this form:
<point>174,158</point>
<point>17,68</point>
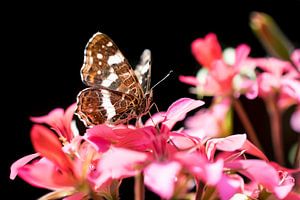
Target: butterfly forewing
<point>105,66</point>
<point>116,93</point>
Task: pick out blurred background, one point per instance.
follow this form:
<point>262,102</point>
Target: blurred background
<point>42,53</point>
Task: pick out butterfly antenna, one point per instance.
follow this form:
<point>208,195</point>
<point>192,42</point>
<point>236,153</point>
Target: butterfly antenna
<point>170,72</point>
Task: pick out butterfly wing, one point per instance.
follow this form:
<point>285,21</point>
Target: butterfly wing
<point>106,67</point>
<point>143,70</point>
<point>98,106</point>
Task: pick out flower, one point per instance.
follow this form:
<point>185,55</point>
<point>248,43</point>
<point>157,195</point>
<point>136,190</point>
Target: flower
<point>54,170</point>
<point>60,121</point>
<point>230,74</point>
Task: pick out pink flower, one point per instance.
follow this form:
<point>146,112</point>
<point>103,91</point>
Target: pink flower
<point>60,121</point>
<point>210,169</point>
<point>278,78</point>
<point>54,170</point>
<point>207,50</point>
<point>260,172</point>
<point>222,76</point>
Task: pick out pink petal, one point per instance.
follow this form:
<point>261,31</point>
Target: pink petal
<point>182,141</point>
<point>100,144</point>
<point>296,58</point>
<point>253,150</point>
<point>199,166</point>
<point>118,163</point>
<point>177,111</point>
<point>229,185</point>
<point>20,163</point>
<point>284,169</point>
<point>45,174</point>
<point>282,191</point>
<point>292,196</point>
<point>135,139</point>
<point>213,172</point>
<point>47,144</point>
<point>262,173</point>
<point>295,120</point>
<point>161,178</point>
<point>59,120</point>
<point>230,143</point>
<point>156,119</point>
<point>50,118</point>
<point>69,113</point>
<point>206,50</point>
<point>191,80</point>
<point>68,117</point>
<point>241,53</point>
<point>102,131</point>
<point>273,65</point>
<point>100,137</point>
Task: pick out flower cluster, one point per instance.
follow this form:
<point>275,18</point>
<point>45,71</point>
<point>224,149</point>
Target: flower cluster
<point>172,162</point>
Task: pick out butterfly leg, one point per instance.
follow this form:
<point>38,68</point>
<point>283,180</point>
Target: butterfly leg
<point>155,124</point>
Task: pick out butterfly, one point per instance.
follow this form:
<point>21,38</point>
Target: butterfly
<point>116,93</point>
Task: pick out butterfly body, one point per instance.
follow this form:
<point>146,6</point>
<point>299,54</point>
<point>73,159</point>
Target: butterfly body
<point>116,93</point>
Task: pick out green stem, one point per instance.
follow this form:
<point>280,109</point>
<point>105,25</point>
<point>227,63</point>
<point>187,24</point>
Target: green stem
<point>139,188</point>
<point>276,129</point>
<point>238,107</point>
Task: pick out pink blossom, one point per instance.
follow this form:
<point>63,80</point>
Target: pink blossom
<point>222,76</point>
<point>55,170</point>
<point>278,78</point>
<point>207,50</point>
<point>263,173</point>
<point>60,121</point>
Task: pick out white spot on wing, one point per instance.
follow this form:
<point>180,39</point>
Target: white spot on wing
<point>109,80</point>
<point>106,104</point>
<point>90,60</point>
<point>109,44</point>
<point>115,59</point>
<point>99,55</point>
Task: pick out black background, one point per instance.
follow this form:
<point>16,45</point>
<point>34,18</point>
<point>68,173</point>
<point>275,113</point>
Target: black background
<point>42,53</point>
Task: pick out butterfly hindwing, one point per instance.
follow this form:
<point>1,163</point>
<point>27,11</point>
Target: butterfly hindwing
<point>98,106</point>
